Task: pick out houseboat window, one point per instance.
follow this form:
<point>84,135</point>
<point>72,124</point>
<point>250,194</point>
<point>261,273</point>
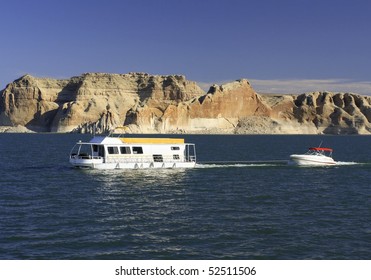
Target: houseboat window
<point>158,158</point>
<point>98,149</point>
<point>176,157</point>
<point>101,151</point>
<point>175,148</point>
<point>137,150</point>
<point>85,151</point>
<point>113,150</point>
<point>125,150</point>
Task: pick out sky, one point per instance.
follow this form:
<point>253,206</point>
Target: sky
<point>285,46</point>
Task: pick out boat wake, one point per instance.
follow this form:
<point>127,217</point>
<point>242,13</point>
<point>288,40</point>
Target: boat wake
<point>263,164</point>
<point>234,165</point>
<point>346,163</point>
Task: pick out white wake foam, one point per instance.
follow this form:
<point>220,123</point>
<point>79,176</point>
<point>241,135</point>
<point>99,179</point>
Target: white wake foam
<point>346,163</point>
<point>211,165</point>
<point>236,165</point>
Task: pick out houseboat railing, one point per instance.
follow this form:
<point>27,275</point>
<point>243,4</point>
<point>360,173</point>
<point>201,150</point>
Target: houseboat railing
<point>144,159</point>
<point>84,156</point>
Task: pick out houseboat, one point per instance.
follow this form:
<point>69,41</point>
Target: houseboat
<point>133,153</point>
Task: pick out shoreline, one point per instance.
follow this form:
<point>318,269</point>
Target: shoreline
<point>23,130</point>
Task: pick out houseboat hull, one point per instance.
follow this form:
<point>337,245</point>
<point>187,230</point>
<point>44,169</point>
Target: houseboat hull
<point>98,164</point>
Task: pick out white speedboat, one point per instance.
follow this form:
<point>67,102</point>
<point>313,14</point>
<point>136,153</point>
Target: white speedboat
<point>314,156</point>
<point>133,153</point>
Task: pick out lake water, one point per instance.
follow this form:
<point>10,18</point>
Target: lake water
<point>48,210</point>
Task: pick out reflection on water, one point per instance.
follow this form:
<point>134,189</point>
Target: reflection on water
<point>154,193</point>
<point>133,209</point>
<point>139,177</point>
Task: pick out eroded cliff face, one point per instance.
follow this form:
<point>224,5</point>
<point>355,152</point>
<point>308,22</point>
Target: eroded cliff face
<point>217,111</point>
<point>30,102</point>
<point>316,113</point>
<point>91,102</point>
<point>334,113</point>
<point>143,103</point>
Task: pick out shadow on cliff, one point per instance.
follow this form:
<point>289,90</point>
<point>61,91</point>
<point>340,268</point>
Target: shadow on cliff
<point>43,122</point>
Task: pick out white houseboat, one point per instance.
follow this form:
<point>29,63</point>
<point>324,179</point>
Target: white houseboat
<point>133,153</point>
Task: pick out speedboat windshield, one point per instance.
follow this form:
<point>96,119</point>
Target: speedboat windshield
<point>320,151</point>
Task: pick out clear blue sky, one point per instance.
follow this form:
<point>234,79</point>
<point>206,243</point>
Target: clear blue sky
<point>307,42</point>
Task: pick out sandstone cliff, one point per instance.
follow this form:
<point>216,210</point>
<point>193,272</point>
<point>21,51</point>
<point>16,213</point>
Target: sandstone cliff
<point>92,101</point>
<point>143,103</point>
<point>217,111</point>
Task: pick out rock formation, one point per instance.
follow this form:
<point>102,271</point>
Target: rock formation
<point>217,111</point>
<point>143,103</point>
<point>341,113</point>
<point>93,101</point>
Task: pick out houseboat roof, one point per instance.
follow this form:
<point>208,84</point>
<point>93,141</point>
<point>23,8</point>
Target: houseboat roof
<point>116,140</point>
<point>152,140</point>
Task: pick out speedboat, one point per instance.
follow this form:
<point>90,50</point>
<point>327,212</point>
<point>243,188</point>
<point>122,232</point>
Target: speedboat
<point>314,156</point>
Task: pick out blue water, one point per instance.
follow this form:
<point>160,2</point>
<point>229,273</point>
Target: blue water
<point>49,210</point>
